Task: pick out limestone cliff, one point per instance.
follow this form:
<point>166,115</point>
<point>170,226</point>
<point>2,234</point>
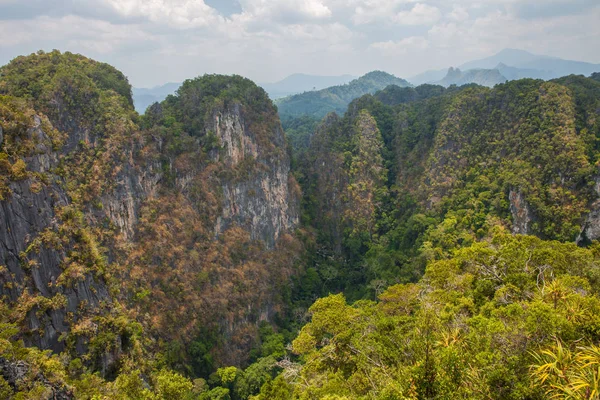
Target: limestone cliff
<point>189,205</point>
<point>521,214</point>
<point>32,269</point>
<point>591,227</point>
<point>263,204</point>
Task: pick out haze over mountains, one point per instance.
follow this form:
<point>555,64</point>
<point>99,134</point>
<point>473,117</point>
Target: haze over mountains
<point>415,243</point>
<point>511,64</point>
<point>298,83</point>
<point>508,64</point>
<point>293,84</point>
<point>144,97</point>
<point>320,103</point>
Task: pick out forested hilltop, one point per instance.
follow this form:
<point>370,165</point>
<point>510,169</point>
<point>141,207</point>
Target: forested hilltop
<point>429,243</point>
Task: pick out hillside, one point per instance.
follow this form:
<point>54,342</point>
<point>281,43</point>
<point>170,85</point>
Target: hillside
<point>419,242</point>
<point>335,99</point>
<point>130,241</point>
<point>449,185</point>
<point>299,83</point>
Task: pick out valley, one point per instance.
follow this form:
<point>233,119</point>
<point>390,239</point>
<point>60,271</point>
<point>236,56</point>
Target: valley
<point>371,239</point>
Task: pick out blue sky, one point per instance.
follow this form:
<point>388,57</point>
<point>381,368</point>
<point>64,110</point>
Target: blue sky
<point>157,41</point>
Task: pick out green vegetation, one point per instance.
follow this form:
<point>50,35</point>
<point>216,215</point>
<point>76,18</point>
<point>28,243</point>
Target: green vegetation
<point>335,99</point>
<point>494,315</point>
<point>405,279</point>
<point>482,324</point>
<point>37,77</point>
<point>197,99</point>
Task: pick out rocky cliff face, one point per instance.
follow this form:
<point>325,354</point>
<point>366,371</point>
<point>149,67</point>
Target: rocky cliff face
<point>98,211</point>
<point>591,227</point>
<point>31,266</point>
<point>216,222</point>
<point>521,214</point>
<point>263,203</point>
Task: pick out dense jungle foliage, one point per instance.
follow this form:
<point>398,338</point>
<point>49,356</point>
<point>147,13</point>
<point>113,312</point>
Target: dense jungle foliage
<point>440,252</point>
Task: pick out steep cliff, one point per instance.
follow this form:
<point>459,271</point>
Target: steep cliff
<point>211,237</point>
<point>35,273</point>
<point>174,220</point>
<point>59,115</point>
<point>347,179</point>
<point>458,165</point>
<point>520,135</point>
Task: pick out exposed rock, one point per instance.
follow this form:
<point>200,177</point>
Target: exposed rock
<point>591,227</point>
<point>1,136</point>
<point>25,215</point>
<point>109,176</point>
<point>14,372</point>
<point>521,214</point>
<point>261,200</point>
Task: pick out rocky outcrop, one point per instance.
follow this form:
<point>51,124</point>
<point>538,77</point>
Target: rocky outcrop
<point>348,184</point>
<point>30,273</point>
<point>327,167</point>
<point>590,230</point>
<point>99,212</point>
<point>15,372</point>
<point>521,214</point>
<point>259,198</point>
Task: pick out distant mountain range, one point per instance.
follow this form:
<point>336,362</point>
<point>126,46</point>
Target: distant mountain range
<point>483,77</point>
<point>293,84</point>
<point>510,64</point>
<point>298,83</point>
<point>336,98</point>
<point>142,98</point>
<point>315,95</point>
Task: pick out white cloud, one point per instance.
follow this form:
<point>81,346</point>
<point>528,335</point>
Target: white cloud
<point>458,13</point>
<point>286,9</point>
<point>176,13</point>
<point>75,33</point>
<point>420,14</point>
<point>330,33</point>
<point>402,46</point>
<point>368,11</point>
<point>160,40</point>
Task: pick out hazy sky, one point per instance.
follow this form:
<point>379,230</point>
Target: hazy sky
<point>157,41</point>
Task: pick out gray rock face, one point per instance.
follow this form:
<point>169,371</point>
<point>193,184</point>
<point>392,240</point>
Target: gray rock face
<point>1,136</point>
<point>261,202</point>
<point>26,213</point>
<point>591,227</point>
<point>15,372</point>
<point>521,214</point>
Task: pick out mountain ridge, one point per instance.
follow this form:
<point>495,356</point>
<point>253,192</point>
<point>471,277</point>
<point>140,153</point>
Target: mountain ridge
<point>517,64</point>
<point>418,242</point>
<point>292,84</point>
<point>336,99</point>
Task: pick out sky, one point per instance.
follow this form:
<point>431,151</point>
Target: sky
<point>159,41</point>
